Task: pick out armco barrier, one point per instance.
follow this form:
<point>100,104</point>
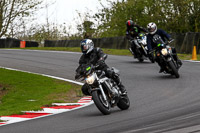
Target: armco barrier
<point>15,43</point>
<point>183,42</point>
<point>113,42</point>
<point>9,43</point>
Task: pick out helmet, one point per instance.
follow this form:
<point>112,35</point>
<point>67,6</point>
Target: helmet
<point>87,46</point>
<point>152,28</point>
<point>129,24</point>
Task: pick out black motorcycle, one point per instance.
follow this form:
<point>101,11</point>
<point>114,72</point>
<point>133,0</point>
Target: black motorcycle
<point>140,43</point>
<point>164,54</point>
<point>104,91</point>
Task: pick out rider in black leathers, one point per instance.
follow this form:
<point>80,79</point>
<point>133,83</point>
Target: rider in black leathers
<point>132,31</point>
<point>96,56</point>
<point>152,29</point>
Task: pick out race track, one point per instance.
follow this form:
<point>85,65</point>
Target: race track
<point>159,102</point>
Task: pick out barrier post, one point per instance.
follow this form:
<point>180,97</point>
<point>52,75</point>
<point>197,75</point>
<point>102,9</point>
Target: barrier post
<point>22,44</point>
<point>194,53</point>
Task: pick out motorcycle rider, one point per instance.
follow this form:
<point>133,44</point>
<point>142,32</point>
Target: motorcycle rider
<point>96,56</point>
<point>153,30</point>
<point>132,32</point>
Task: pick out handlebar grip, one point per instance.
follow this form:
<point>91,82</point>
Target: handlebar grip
<point>170,41</point>
<point>150,52</point>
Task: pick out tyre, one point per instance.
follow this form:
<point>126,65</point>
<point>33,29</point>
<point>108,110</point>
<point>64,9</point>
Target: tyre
<point>140,59</point>
<point>101,104</point>
<point>123,103</point>
<point>152,58</point>
<point>174,70</point>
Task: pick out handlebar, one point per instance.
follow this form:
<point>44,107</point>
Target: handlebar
<point>154,49</point>
<point>170,41</point>
<point>83,70</point>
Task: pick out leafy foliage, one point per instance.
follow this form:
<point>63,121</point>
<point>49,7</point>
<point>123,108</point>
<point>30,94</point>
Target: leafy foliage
<point>12,12</point>
<point>171,15</point>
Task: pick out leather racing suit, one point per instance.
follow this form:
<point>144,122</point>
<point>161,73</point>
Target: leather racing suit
<point>97,56</point>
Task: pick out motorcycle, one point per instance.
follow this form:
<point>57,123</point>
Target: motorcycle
<point>141,47</point>
<point>104,91</point>
<point>164,55</point>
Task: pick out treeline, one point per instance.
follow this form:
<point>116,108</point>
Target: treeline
<point>13,14</point>
<point>174,16</point>
<point>179,16</point>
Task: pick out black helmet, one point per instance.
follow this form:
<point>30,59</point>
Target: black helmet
<point>87,46</point>
<point>129,24</point>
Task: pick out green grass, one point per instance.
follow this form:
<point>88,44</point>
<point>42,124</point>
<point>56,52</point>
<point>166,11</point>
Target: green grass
<point>188,56</point>
<point>21,91</point>
<point>124,52</point>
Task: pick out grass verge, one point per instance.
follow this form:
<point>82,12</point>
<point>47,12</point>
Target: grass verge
<point>125,52</point>
<point>20,91</point>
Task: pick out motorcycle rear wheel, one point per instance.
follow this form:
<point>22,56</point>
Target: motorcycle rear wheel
<point>123,103</point>
<point>174,69</point>
<point>101,104</point>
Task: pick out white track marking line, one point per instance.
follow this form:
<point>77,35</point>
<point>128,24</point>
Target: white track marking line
<point>86,102</point>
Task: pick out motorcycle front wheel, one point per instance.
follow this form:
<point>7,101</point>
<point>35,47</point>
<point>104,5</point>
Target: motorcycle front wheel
<point>101,104</point>
<point>174,70</point>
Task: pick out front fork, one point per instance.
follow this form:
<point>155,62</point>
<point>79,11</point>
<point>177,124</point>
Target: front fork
<point>102,92</point>
<point>131,51</point>
<point>100,89</point>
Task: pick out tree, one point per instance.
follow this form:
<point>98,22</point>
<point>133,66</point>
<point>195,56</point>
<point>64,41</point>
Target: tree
<point>85,25</point>
<point>15,10</point>
<point>41,32</point>
<point>86,28</point>
<point>178,16</point>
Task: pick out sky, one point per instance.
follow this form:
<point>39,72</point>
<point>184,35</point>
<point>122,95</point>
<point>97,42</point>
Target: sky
<point>65,11</point>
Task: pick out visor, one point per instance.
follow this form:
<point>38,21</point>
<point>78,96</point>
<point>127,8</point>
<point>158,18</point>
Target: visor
<point>151,29</point>
<point>84,47</point>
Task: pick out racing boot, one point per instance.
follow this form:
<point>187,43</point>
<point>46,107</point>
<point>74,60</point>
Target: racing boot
<point>161,70</point>
<point>117,79</point>
<point>135,53</point>
<point>179,62</point>
<point>122,89</point>
<point>161,66</point>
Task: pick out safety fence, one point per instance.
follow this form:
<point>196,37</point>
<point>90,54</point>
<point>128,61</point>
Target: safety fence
<point>183,42</point>
<point>15,43</point>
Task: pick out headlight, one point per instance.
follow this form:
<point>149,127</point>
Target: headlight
<point>90,79</point>
<point>164,51</point>
<point>144,42</point>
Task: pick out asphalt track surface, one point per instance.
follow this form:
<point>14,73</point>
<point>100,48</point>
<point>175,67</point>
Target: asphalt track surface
<point>159,102</point>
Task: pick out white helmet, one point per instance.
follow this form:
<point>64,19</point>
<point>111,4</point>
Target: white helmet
<point>87,46</point>
<point>152,28</point>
